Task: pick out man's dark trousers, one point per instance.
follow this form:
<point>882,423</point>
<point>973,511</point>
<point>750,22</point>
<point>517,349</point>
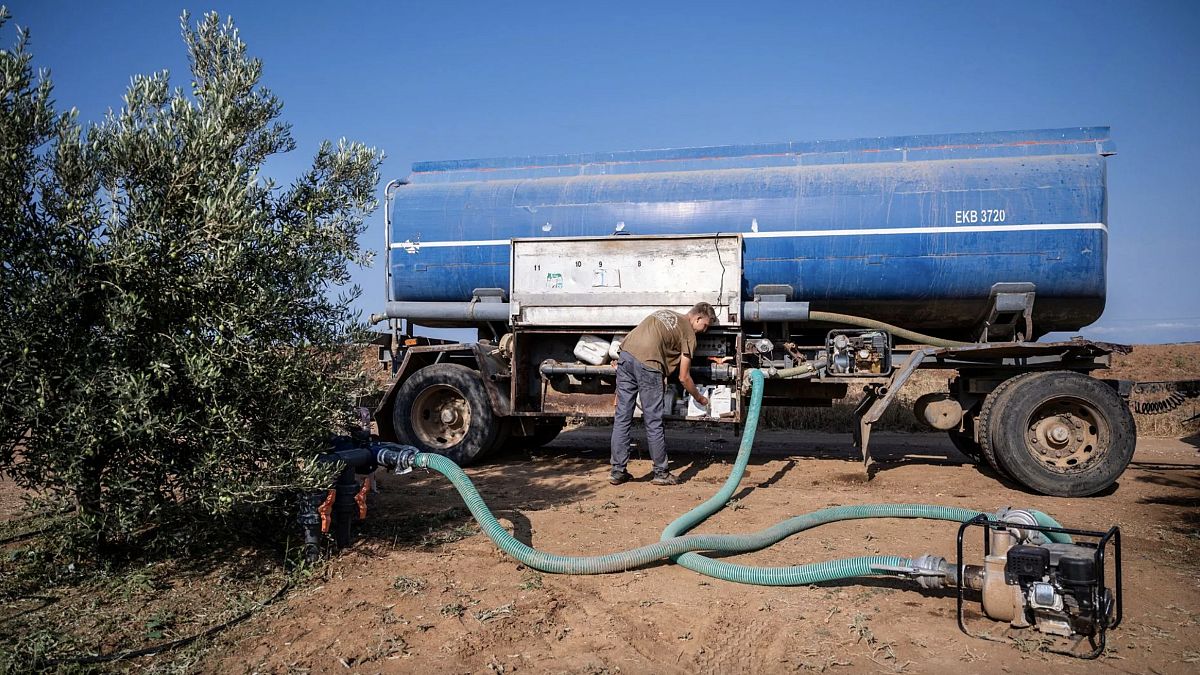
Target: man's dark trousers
<point>634,379</point>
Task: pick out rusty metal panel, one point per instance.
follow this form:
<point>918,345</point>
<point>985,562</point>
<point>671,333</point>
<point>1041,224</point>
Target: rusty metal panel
<point>618,280</point>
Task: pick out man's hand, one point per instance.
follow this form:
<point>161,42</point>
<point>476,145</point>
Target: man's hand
<point>685,378</point>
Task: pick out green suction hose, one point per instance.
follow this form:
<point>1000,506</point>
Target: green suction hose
<point>805,574</point>
<point>675,544</point>
<point>600,564</point>
<point>718,501</point>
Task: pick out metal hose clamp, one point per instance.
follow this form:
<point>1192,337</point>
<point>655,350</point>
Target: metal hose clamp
<point>394,456</point>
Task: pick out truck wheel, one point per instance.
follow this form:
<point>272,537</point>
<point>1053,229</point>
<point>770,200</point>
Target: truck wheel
<point>1059,433</point>
<point>986,413</point>
<point>444,409</point>
<point>504,436</point>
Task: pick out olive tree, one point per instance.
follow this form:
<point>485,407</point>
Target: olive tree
<point>175,324</point>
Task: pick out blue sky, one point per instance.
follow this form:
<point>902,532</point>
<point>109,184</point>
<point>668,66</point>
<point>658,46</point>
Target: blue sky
<point>444,80</point>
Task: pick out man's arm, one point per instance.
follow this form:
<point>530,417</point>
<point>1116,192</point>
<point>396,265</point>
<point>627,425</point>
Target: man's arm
<point>685,378</point>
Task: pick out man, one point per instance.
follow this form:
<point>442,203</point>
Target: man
<point>662,342</point>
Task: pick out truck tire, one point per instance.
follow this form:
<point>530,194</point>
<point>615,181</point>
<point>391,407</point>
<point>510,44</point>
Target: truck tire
<point>986,413</point>
<point>504,437</point>
<point>444,409</point>
<point>1059,433</point>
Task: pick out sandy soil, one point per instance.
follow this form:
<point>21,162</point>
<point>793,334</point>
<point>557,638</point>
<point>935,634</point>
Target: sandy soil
<point>412,598</point>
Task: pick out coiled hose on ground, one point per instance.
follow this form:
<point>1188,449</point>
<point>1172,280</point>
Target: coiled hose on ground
<point>682,548</point>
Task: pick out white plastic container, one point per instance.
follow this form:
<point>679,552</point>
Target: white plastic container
<point>592,349</point>
<point>695,409</point>
<point>614,347</point>
<point>720,400</point>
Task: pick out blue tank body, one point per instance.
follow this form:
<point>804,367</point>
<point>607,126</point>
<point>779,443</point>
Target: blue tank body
<point>911,230</point>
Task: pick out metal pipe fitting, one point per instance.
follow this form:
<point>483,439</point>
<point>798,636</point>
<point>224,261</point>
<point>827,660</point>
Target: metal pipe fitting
<point>1015,518</point>
<point>394,456</point>
<point>929,571</point>
<point>445,311</point>
<point>552,367</point>
<point>719,372</point>
<point>758,310</point>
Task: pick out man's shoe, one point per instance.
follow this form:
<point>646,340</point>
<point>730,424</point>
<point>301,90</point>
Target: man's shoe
<point>665,479</point>
<point>618,478</point>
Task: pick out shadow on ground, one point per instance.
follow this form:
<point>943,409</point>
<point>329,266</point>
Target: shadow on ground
<point>1193,440</point>
<point>1182,490</point>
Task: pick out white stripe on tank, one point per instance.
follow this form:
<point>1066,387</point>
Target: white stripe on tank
<point>414,246</point>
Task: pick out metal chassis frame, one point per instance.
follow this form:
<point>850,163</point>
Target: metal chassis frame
<point>1098,640</point>
<point>1014,357</point>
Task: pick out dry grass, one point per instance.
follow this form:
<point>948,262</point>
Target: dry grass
<point>1158,363</point>
<point>1174,424</point>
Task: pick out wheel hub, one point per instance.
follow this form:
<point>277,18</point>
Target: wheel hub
<point>1059,434</point>
<point>1064,434</point>
<point>441,417</point>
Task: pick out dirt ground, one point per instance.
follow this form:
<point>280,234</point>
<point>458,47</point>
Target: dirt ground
<point>422,590</point>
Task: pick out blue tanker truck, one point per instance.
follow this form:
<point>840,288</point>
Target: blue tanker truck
<point>834,266</point>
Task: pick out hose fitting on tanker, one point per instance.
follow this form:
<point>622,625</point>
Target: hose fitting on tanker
<point>398,458</point>
<point>800,372</point>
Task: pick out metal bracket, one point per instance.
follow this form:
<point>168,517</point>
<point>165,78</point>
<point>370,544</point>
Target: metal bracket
<point>862,430</point>
<point>487,295</point>
<point>772,293</point>
<point>1010,313</point>
<point>877,400</point>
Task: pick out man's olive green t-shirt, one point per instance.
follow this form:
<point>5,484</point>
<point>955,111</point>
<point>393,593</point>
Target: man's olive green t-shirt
<point>660,339</point>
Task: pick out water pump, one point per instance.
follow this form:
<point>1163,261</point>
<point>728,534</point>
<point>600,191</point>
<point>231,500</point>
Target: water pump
<point>1037,577</point>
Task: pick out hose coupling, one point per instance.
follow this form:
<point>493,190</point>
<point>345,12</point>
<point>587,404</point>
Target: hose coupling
<point>394,456</point>
<point>933,571</point>
<point>929,571</point>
